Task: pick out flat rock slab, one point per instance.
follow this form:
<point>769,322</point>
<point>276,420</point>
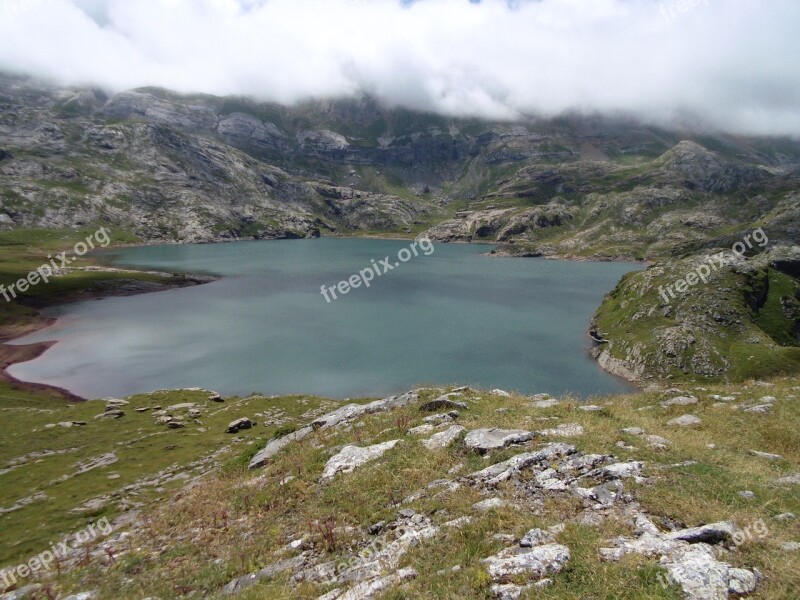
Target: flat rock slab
<point>546,403</point>
<point>278,444</point>
<point>351,457</point>
<point>486,440</point>
<point>564,430</point>
<point>536,562</point>
<point>349,412</point>
<point>489,504</point>
<point>792,479</point>
<point>679,401</point>
<point>241,583</point>
<point>766,455</point>
<point>442,418</point>
<point>633,430</point>
<point>444,438</point>
<point>684,421</point>
<point>370,589</point>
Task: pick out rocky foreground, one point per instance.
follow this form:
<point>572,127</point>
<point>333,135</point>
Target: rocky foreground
<point>674,493</point>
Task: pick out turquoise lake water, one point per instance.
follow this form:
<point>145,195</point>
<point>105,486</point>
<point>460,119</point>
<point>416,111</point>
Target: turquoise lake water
<point>454,316</point>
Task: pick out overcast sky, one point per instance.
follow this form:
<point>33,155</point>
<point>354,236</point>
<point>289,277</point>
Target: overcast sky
<point>734,64</point>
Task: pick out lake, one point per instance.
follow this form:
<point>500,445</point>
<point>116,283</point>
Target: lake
<point>456,315</point>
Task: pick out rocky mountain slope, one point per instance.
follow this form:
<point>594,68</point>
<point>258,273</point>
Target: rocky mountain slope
<point>741,318</point>
<point>203,168</point>
<point>437,493</point>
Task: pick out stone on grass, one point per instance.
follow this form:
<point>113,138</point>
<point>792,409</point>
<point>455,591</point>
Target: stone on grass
<point>442,403</point>
<point>366,590</point>
<point>245,581</point>
<point>564,430</point>
<point>486,440</point>
<point>792,479</point>
<point>276,445</point>
<point>489,504</point>
<point>759,409</point>
<point>546,403</point>
<point>656,441</point>
<point>538,537</point>
<point>766,455</point>
<point>624,470</point>
<point>633,430</point>
<point>790,546</point>
<point>502,393</point>
<point>711,533</point>
<point>536,562</point>
<point>238,425</point>
<point>507,591</point>
<point>351,457</point>
<point>421,429</point>
<point>444,438</point>
<point>684,421</point>
<point>679,401</point>
<point>590,408</point>
<point>442,418</point>
<point>502,471</point>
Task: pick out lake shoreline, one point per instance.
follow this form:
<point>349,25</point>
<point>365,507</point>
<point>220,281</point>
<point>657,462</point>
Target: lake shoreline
<point>12,354</point>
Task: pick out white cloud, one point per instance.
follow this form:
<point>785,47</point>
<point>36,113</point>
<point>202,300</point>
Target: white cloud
<point>730,63</point>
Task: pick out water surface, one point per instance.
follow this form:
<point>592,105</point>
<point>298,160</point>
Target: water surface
<point>456,316</point>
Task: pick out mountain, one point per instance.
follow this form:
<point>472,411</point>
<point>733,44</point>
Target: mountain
<point>179,168</point>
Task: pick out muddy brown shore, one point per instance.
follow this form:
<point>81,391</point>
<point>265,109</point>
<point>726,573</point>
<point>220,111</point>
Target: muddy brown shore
<point>32,322</point>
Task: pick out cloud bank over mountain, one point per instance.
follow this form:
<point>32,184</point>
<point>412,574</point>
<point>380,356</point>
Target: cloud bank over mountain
<point>726,64</point>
